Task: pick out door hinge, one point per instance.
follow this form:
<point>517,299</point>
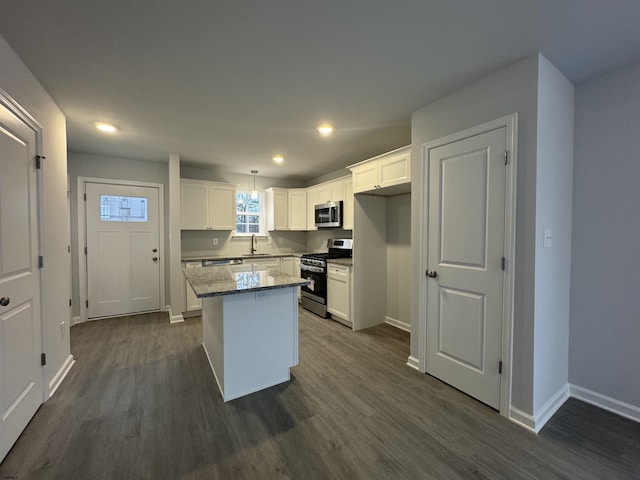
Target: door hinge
<point>39,159</point>
<point>87,303</point>
<point>506,157</point>
<point>69,302</point>
<point>85,250</point>
<point>40,261</point>
<point>43,359</point>
<point>85,197</point>
<point>503,263</point>
<point>500,367</point>
<point>68,248</point>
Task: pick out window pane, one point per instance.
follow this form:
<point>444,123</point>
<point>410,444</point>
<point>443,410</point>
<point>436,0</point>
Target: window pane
<point>116,208</point>
<point>241,228</point>
<point>254,228</point>
<point>253,219</point>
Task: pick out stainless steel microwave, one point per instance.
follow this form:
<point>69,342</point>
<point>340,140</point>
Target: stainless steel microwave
<point>329,214</point>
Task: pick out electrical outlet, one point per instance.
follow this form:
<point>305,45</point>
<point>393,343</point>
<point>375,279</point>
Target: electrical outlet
<point>215,241</point>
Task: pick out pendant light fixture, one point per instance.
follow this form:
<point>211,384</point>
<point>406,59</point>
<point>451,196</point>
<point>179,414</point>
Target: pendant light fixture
<point>254,192</point>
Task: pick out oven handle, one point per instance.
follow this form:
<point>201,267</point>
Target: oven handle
<point>309,268</point>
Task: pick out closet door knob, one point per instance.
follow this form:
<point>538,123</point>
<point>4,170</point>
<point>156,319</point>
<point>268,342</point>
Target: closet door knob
<point>432,274</point>
<point>4,301</point>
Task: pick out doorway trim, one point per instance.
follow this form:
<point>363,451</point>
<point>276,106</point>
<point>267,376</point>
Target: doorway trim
<point>510,122</point>
<point>82,237</point>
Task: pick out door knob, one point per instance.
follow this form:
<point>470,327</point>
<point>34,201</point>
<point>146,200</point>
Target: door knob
<point>432,274</point>
<point>155,259</point>
<point>154,250</point>
<point>4,301</point>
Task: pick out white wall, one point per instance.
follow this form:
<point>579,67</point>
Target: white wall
<point>513,89</point>
<point>99,166</point>
<point>399,260</point>
<point>605,299</point>
<point>553,212</point>
<point>23,87</point>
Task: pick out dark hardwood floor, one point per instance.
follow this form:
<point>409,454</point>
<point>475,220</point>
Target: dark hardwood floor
<point>142,403</point>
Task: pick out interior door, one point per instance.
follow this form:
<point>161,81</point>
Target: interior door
<point>467,181</point>
<point>123,249</point>
<point>21,376</point>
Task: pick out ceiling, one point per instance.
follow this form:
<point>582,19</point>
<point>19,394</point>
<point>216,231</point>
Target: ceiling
<point>232,83</point>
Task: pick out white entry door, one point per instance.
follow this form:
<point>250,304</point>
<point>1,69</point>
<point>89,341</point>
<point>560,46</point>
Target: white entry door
<point>21,376</point>
<point>467,181</point>
<point>123,249</point>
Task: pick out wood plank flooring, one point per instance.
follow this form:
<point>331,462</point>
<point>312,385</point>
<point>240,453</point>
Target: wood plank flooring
<point>142,403</point>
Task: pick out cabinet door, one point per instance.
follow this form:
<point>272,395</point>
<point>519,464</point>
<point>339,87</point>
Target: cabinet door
<point>394,170</point>
<point>336,191</point>
<point>312,201</point>
<point>324,193</point>
<point>286,265</point>
<point>193,206</point>
<point>278,208</point>
<point>338,300</point>
<point>297,273</point>
<point>347,206</point>
<point>297,209</point>
<point>222,208</point>
<point>192,302</point>
<point>365,177</point>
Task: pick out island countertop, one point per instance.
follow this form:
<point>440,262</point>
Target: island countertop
<point>227,280</point>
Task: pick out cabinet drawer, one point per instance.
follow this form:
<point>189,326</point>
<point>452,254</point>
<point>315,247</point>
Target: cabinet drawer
<point>338,272</point>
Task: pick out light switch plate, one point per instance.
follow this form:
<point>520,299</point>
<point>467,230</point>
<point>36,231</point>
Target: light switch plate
<point>215,241</point>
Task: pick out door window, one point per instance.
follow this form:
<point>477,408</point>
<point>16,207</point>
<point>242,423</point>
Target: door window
<point>116,208</point>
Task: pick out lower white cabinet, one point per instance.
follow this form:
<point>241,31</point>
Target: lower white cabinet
<point>297,273</point>
<point>192,302</point>
<point>339,293</point>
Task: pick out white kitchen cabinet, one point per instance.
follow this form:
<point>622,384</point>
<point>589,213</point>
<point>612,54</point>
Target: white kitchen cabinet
<point>347,205</point>
<point>297,273</point>
<point>324,193</point>
<point>270,262</point>
<point>388,174</point>
<point>286,265</point>
<point>277,209</point>
<point>297,202</point>
<point>207,205</point>
<point>312,201</point>
<point>193,303</point>
<point>339,293</point>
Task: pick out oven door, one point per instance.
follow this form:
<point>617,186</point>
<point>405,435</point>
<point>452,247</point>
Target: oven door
<point>317,289</point>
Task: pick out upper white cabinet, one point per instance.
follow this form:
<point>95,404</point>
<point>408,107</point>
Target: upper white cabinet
<point>313,198</point>
<point>347,205</point>
<point>387,174</point>
<point>207,205</point>
<point>277,209</point>
<point>297,199</point>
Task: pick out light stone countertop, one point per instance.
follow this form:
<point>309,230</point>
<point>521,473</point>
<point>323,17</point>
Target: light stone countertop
<point>196,258</point>
<point>227,280</point>
<point>348,262</point>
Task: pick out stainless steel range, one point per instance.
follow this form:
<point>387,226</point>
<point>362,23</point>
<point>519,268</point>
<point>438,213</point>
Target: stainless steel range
<point>313,267</point>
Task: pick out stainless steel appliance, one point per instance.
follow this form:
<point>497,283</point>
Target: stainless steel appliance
<point>329,214</point>
<point>313,267</point>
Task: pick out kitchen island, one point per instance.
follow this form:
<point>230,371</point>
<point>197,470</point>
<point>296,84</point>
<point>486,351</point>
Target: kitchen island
<point>249,324</point>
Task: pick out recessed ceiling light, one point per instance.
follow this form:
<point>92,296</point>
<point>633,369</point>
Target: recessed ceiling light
<point>278,158</point>
<point>106,127</point>
<point>325,129</point>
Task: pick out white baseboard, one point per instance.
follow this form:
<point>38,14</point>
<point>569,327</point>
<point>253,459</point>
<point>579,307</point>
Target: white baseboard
<point>534,423</point>
<point>618,407</point>
<point>521,418</point>
<point>414,363</point>
<point>60,375</point>
<point>398,324</point>
<point>551,407</point>
<point>173,318</point>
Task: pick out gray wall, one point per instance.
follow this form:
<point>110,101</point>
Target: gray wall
<point>553,212</point>
<point>605,300</point>
<point>513,89</point>
<point>83,165</point>
<point>24,88</point>
<point>399,258</point>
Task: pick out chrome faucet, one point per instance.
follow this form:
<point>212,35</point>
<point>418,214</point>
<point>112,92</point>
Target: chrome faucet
<point>254,244</point>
